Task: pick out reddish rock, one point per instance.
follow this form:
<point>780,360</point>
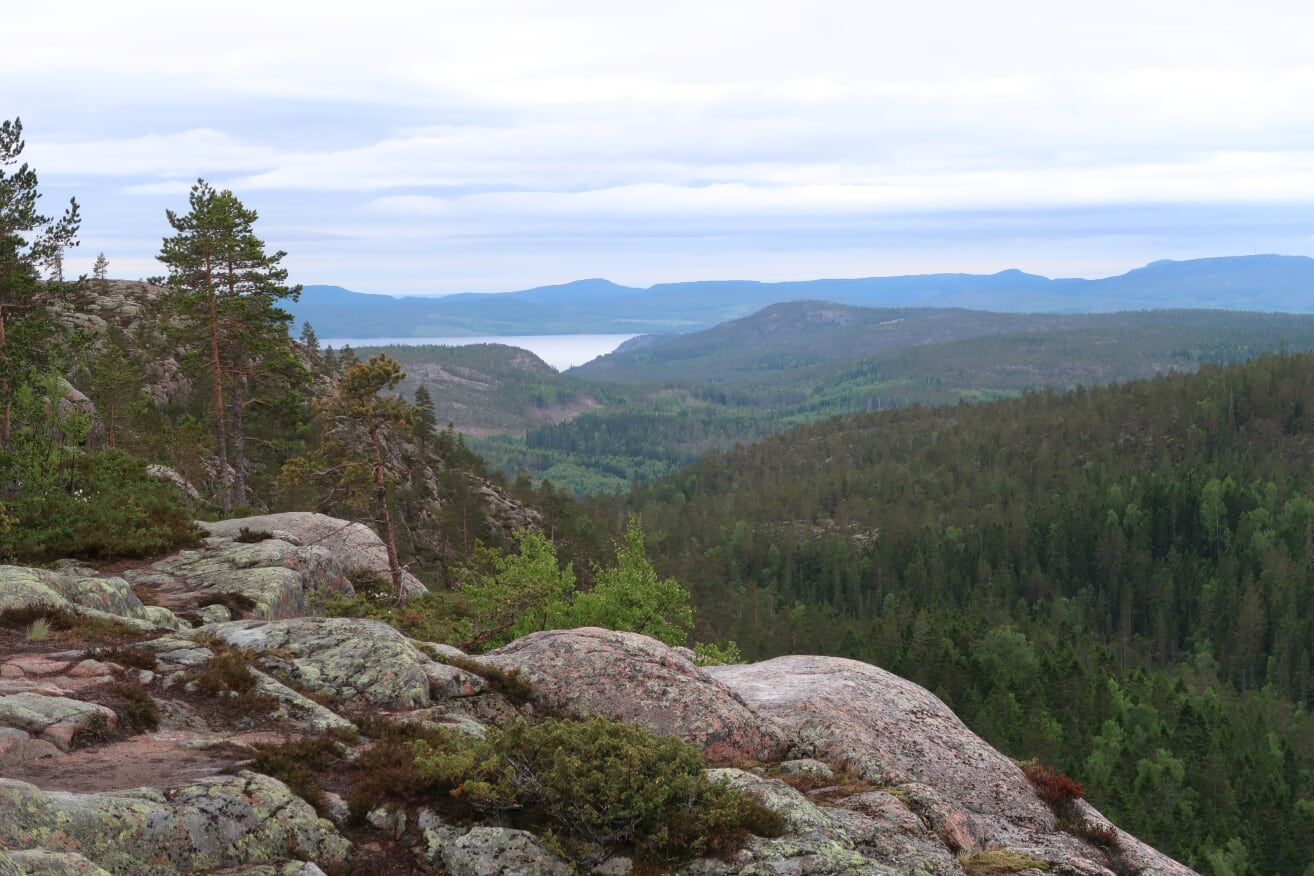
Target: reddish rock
<point>629,677</point>
<point>898,733</point>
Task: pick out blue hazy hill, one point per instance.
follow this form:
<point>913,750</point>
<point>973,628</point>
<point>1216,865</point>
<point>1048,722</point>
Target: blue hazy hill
<point>1257,282</point>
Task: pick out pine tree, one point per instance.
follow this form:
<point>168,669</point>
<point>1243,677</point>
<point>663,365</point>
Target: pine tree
<point>30,339</point>
<point>364,422</point>
<point>228,287</point>
<point>426,427</point>
<point>101,270</point>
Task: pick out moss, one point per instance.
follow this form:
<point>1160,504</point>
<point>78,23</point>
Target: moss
<point>511,683</point>
<point>995,861</point>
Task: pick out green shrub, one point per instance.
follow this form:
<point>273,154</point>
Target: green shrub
<point>107,507</point>
<point>597,784</point>
<point>38,630</point>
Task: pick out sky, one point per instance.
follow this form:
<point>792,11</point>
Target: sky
<point>485,145</point>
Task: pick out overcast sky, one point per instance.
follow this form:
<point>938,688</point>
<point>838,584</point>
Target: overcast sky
<point>478,145</point>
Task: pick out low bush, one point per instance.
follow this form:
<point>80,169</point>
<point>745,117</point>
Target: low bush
<point>297,763</point>
<point>107,508</point>
<point>132,656</point>
<point>1103,835</point>
<point>597,784</point>
<point>95,731</point>
<point>386,772</point>
<point>228,679</point>
<point>510,683</point>
<point>69,624</point>
<point>1054,788</point>
<point>136,708</point>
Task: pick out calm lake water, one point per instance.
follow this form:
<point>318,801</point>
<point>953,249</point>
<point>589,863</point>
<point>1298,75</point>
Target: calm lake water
<point>559,351</point>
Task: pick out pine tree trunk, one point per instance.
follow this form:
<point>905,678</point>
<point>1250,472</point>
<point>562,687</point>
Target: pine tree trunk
<point>238,431</point>
<point>220,428</point>
<point>389,530</point>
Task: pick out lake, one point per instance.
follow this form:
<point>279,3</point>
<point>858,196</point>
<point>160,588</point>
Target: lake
<point>559,351</point>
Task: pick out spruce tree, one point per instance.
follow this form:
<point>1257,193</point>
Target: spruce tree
<point>227,288</point>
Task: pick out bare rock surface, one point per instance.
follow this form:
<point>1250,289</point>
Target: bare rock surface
<point>226,821</point>
<point>53,719</point>
<point>501,851</point>
<point>278,577</point>
<point>897,733</point>
<point>352,545</point>
<point>629,677</point>
<point>77,589</point>
<point>353,659</point>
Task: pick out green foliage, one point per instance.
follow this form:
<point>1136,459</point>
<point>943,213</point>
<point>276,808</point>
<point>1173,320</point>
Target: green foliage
<point>225,315</point>
<point>630,596</point>
<point>104,507</point>
<point>712,654</point>
<point>362,422</point>
<point>31,340</point>
<point>38,630</point>
<point>510,595</point>
<point>598,784</point>
<point>1114,581</point>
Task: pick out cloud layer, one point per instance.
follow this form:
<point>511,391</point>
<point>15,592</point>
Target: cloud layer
<point>470,147</point>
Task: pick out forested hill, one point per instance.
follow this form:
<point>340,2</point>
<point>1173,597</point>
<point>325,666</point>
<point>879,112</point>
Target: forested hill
<point>955,347</point>
<point>1119,581</point>
<point>1258,282</point>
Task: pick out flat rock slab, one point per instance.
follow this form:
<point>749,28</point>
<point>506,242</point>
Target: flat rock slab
<point>629,677</point>
<point>53,719</point>
<point>350,658</point>
<point>223,821</point>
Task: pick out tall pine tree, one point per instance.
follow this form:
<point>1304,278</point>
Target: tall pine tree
<point>227,287</point>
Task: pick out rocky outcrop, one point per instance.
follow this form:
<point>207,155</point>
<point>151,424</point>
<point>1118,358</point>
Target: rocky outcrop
<point>633,678</point>
<point>352,545</point>
<point>882,778</point>
<point>897,733</point>
<point>358,661</point>
<point>226,821</point>
<point>80,590</point>
<point>500,851</point>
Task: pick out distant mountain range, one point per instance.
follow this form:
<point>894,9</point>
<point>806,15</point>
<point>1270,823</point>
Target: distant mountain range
<point>1257,282</point>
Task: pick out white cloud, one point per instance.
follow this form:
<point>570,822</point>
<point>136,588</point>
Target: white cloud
<point>515,121</point>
